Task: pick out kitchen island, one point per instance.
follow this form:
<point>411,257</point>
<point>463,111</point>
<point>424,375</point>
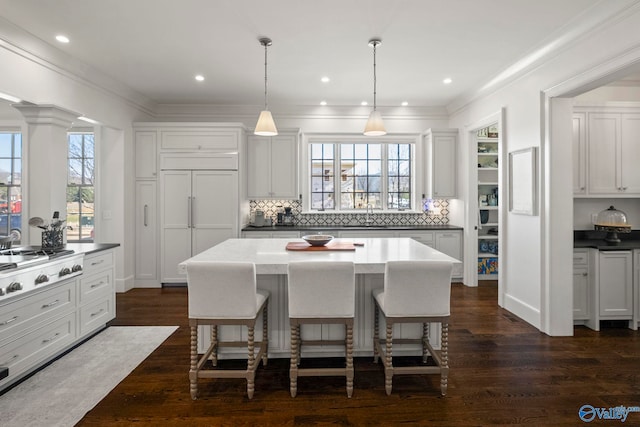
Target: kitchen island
<point>271,259</point>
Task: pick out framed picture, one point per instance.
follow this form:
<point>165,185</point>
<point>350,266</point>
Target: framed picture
<point>522,181</point>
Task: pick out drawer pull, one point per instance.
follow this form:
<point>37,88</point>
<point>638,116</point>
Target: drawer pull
<point>47,340</point>
<point>95,285</point>
<point>585,274</point>
<point>97,262</point>
<point>6,363</point>
<point>6,322</point>
<point>96,313</point>
<point>51,304</point>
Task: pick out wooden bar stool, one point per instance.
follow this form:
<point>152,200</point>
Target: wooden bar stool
<point>414,292</point>
<point>225,293</point>
<point>321,293</point>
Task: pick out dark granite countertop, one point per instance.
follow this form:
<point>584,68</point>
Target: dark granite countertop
<point>89,248</point>
<point>342,227</point>
<point>595,239</point>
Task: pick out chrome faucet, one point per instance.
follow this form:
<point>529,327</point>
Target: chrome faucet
<point>368,220</point>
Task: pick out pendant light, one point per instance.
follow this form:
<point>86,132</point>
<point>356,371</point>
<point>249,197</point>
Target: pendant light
<point>265,125</point>
<point>374,126</point>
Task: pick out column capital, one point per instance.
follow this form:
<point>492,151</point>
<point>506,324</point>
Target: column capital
<point>47,114</point>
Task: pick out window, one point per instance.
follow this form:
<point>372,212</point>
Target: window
<point>10,185</point>
<point>350,176</point>
<point>80,186</point>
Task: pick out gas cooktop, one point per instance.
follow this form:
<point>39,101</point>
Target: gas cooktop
<point>27,255</point>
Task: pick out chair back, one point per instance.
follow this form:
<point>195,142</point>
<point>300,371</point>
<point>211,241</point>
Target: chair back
<point>321,289</point>
<point>417,288</point>
<point>221,289</point>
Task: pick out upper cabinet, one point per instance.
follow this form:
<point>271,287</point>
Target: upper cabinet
<point>440,163</point>
<point>272,166</point>
<point>605,153</point>
<point>145,142</point>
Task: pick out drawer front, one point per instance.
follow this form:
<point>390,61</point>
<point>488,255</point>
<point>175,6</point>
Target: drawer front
<point>580,258</point>
<point>96,314</point>
<point>424,237</point>
<point>98,262</point>
<point>200,139</point>
<point>96,286</point>
<point>37,345</point>
<point>35,308</point>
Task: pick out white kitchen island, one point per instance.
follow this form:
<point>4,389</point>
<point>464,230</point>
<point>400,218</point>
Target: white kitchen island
<point>271,259</point>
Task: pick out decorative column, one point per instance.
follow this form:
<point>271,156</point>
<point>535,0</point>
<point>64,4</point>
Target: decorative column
<point>46,150</point>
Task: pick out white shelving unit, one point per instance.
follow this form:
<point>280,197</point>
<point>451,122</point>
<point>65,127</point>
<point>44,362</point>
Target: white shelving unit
<point>488,204</point>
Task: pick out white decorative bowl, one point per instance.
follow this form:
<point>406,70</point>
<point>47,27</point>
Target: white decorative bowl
<point>317,239</point>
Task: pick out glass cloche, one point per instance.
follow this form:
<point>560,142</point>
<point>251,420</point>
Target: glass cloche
<point>613,221</point>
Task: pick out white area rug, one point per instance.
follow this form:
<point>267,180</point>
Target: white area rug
<point>63,392</point>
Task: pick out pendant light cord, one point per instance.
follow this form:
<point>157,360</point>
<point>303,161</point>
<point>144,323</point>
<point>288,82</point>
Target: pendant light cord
<point>375,44</point>
<point>265,76</point>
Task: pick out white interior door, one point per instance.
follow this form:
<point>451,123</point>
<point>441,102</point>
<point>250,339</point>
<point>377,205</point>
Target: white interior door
<point>215,208</point>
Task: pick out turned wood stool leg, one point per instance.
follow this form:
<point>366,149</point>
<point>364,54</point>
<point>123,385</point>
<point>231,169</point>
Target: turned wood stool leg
<point>376,331</point>
<point>349,334</point>
<point>265,333</point>
<point>193,372</point>
<point>425,340</point>
<point>214,341</point>
<point>445,359</point>
<point>388,361</point>
<point>251,368</point>
<point>293,367</point>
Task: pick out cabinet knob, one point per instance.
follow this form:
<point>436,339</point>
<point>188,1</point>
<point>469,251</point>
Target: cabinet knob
<point>585,274</point>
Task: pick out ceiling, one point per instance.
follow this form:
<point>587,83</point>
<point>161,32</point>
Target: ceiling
<point>157,47</point>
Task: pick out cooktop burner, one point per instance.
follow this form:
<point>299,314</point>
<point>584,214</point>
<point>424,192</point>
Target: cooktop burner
<point>37,251</point>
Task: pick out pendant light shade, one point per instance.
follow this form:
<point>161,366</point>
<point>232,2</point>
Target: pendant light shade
<point>265,126</point>
<point>374,126</point>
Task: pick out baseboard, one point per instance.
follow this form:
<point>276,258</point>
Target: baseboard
<point>523,310</point>
<point>123,285</point>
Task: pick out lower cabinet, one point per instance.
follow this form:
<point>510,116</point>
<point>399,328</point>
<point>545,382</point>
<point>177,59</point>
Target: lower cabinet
<point>603,287</point>
<point>270,234</point>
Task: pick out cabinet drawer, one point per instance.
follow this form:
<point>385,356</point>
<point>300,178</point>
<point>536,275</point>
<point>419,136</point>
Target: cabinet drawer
<point>424,237</point>
<point>98,262</point>
<point>580,258</point>
<point>28,350</point>
<point>96,314</point>
<point>96,286</point>
<point>35,308</point>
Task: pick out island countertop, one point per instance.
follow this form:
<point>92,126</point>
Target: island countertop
<point>271,256</point>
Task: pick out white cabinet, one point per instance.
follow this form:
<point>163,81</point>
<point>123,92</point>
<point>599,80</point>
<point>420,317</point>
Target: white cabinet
<point>270,234</point>
<point>441,163</point>
<point>636,289</point>
<point>582,290</point>
<point>615,285</point>
<point>613,153</point>
<point>145,143</point>
<point>96,296</point>
<point>447,242</point>
<point>272,171</point>
<point>199,209</point>
<point>579,153</point>
<point>146,233</point>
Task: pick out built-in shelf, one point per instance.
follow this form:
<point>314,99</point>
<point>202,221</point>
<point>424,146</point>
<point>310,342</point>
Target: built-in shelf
<point>487,180</point>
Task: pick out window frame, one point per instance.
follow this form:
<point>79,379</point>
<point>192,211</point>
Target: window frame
<point>17,130</point>
<point>416,169</point>
<point>86,131</point>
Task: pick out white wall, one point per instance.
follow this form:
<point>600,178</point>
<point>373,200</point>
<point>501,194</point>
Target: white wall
<point>584,208</point>
<point>526,276</point>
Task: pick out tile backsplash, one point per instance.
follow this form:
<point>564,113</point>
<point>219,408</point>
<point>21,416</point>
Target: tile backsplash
<point>438,214</point>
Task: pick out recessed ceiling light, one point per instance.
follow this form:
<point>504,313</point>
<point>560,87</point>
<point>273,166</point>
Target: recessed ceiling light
<point>325,79</point>
<point>323,102</point>
<point>200,78</point>
<point>447,81</point>
<point>364,103</point>
<point>62,39</point>
<point>405,103</point>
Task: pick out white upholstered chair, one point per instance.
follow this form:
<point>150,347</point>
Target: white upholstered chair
<point>321,293</point>
<point>414,292</point>
<point>225,293</point>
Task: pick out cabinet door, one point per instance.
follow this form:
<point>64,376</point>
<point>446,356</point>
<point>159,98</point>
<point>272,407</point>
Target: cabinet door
<point>146,154</point>
<point>630,153</point>
<point>615,283</point>
<point>580,293</point>
<point>424,237</point>
<point>579,154</point>
<point>258,167</point>
<point>441,163</point>
<point>146,230</point>
<point>214,198</point>
<point>175,211</point>
<point>284,161</point>
<point>604,142</point>
<point>450,243</point>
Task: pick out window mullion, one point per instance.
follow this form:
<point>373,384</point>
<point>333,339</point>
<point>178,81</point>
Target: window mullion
<point>337,178</point>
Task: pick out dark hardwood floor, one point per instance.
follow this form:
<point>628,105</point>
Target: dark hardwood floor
<point>503,372</point>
